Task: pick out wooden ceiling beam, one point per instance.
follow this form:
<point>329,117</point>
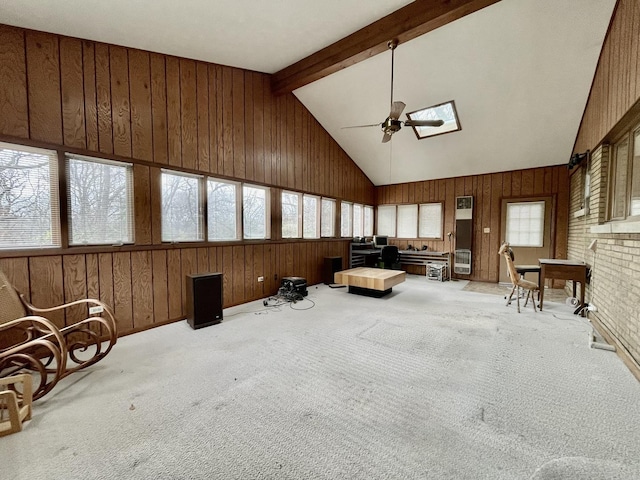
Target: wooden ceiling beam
<point>407,23</point>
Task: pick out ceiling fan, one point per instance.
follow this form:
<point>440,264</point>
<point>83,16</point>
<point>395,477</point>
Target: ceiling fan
<point>392,123</point>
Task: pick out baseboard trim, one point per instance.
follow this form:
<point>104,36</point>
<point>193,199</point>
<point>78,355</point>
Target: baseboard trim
<point>621,351</point>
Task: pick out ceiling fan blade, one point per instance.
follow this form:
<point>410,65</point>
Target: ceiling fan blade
<point>361,126</point>
<point>386,137</point>
<point>424,123</point>
<point>396,110</point>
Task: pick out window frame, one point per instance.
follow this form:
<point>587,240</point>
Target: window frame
<point>410,209</point>
<point>349,220</point>
<point>298,214</point>
<point>200,213</point>
<point>542,220</point>
<point>318,214</point>
<point>440,235</point>
<point>267,207</point>
<point>130,194</point>
<point>390,208</point>
<point>238,209</point>
<point>632,138</point>
<point>332,222</point>
<point>55,214</point>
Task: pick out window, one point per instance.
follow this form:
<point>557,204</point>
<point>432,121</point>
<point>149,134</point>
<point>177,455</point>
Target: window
<point>290,202</point>
<point>635,177</point>
<point>387,220</point>
<point>100,201</point>
<point>310,217</point>
<point>525,224</point>
<point>358,226</point>
<point>620,171</point>
<point>624,189</point>
<point>223,210</point>
<point>29,209</point>
<point>430,220</point>
<point>346,225</point>
<point>255,212</point>
<point>181,214</point>
<point>444,111</point>
<point>328,218</point>
<point>407,221</point>
<point>368,221</point>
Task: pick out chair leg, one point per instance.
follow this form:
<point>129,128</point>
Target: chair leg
<point>518,295</point>
<point>511,295</point>
<point>526,300</point>
<point>533,301</point>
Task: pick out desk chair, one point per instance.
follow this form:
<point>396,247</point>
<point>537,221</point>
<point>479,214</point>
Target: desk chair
<point>517,279</point>
<point>390,257</point>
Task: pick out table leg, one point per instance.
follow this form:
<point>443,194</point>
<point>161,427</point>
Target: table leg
<point>541,286</point>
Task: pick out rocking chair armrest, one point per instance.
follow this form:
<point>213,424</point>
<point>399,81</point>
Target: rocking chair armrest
<point>90,301</point>
<point>43,326</point>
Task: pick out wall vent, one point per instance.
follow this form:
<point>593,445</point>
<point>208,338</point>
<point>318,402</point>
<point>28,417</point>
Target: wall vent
<point>464,235</point>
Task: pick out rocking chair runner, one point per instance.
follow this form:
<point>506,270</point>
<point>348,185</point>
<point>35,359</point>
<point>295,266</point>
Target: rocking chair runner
<point>40,347</point>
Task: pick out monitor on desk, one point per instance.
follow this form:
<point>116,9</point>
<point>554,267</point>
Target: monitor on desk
<point>380,241</point>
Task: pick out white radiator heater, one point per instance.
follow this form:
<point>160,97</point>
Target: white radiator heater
<point>464,235</point>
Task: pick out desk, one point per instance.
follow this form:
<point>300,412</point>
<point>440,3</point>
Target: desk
<point>563,270</point>
<point>424,258</point>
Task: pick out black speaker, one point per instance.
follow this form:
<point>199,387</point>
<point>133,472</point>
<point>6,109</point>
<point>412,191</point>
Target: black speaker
<point>331,266</point>
<point>204,299</point>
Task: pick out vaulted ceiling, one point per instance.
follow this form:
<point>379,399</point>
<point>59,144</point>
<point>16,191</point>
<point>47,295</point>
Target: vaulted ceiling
<point>518,70</point>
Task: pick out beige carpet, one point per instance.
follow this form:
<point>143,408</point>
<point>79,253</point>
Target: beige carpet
<point>430,382</point>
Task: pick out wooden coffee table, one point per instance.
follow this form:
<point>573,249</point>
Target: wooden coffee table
<point>373,282</point>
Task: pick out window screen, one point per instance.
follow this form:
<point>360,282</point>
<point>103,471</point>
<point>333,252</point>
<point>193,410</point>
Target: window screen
<point>368,221</point>
<point>407,221</point>
<point>290,203</point>
<point>255,212</point>
<point>181,219</point>
<point>310,217</point>
<point>29,208</point>
<point>430,220</point>
<point>525,224</point>
<point>100,201</point>
<point>222,210</point>
<point>328,218</point>
<point>345,220</point>
<point>387,220</point>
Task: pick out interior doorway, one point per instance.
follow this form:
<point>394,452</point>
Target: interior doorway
<point>526,225</point>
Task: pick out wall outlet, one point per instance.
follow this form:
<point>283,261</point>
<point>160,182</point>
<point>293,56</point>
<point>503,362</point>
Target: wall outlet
<point>95,310</point>
<point>261,279</point>
<point>487,230</point>
<point>592,308</point>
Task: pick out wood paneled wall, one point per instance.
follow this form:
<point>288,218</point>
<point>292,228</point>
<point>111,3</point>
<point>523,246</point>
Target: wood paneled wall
<point>616,84</point>
<point>487,191</point>
<point>159,111</point>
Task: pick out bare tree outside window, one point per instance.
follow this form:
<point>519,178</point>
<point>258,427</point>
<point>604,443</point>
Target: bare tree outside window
<point>181,208</point>
<point>222,210</point>
<point>346,225</point>
<point>290,204</point>
<point>357,220</point>
<point>100,202</point>
<point>28,197</point>
<point>310,217</point>
<point>328,217</point>
<point>255,212</point>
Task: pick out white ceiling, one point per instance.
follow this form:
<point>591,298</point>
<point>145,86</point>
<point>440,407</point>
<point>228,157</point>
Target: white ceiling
<point>519,70</point>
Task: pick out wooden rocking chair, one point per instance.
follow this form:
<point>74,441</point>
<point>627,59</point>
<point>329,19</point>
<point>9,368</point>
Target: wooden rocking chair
<point>31,343</point>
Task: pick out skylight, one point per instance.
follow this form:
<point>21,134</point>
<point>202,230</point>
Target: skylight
<point>445,111</point>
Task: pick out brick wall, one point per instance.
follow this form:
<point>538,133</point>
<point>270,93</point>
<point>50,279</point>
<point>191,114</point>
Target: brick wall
<point>615,279</point>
